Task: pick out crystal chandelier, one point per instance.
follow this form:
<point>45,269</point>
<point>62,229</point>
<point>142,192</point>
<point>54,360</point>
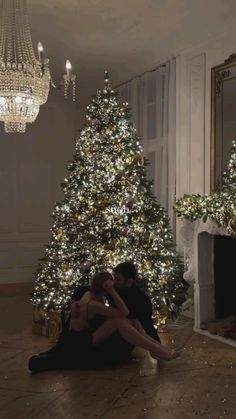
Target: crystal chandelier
<point>24,79</point>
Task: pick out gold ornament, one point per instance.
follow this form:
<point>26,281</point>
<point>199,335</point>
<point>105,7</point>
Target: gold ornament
<point>110,246</point>
<point>101,204</point>
<point>138,159</point>
<point>60,235</point>
<point>77,216</point>
<point>120,174</point>
<point>163,282</point>
<point>65,268</point>
<point>108,131</point>
<point>87,151</point>
<point>117,217</point>
<point>139,231</point>
<point>119,146</point>
<point>148,264</point>
<point>151,237</point>
<point>142,218</point>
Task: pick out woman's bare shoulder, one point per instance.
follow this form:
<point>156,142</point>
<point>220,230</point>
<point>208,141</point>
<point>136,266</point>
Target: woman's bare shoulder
<point>83,300</point>
<point>86,297</point>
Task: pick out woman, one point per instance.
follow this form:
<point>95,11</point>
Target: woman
<point>92,322</point>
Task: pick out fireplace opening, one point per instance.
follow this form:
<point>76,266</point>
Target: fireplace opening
<point>225,276</point>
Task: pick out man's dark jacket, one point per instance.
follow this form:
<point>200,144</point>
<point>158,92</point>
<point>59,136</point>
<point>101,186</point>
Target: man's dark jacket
<point>140,308</point>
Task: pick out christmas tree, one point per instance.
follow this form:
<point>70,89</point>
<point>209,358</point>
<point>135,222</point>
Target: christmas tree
<point>229,179</point>
<point>219,206</point>
<point>108,215</point>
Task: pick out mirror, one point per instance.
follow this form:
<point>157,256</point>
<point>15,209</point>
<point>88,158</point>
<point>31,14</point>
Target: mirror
<point>223,118</point>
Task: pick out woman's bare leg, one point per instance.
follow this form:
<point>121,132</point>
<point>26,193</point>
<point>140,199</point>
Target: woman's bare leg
<point>106,330</point>
<point>132,336</point>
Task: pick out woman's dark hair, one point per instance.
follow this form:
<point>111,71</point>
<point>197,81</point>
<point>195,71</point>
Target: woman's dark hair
<point>127,269</point>
<point>98,281</point>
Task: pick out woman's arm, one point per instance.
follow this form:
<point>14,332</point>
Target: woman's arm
<point>98,308</point>
<point>120,310</point>
<point>77,304</point>
<point>119,302</point>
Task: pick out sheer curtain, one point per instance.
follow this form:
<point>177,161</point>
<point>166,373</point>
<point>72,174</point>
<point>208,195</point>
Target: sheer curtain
<point>151,98</point>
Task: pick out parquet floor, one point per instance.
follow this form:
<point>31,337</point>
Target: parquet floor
<point>201,384</point>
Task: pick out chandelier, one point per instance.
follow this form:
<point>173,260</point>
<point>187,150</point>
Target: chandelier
<point>24,79</point>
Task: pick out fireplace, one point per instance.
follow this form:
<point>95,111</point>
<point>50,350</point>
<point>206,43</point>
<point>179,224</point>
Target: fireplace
<point>225,276</point>
<point>210,256</point>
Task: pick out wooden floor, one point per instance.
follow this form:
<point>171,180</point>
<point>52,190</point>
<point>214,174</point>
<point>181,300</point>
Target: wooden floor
<point>201,384</point>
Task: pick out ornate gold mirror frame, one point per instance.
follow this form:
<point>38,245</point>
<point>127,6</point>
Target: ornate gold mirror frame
<point>223,118</point>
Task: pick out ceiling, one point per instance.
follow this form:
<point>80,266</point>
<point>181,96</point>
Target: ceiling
<point>126,37</point>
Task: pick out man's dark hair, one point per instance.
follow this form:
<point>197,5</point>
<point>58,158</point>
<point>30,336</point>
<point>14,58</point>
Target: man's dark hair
<point>127,269</point>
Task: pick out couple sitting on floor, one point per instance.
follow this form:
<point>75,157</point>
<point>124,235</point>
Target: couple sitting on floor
<point>102,335</point>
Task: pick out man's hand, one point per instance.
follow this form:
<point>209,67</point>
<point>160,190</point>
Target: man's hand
<point>136,323</point>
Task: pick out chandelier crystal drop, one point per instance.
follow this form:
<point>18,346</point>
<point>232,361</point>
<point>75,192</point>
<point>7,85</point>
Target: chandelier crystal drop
<point>24,79</point>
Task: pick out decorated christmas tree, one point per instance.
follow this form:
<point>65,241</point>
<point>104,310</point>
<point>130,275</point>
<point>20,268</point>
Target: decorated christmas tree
<point>108,215</point>
<point>229,180</point>
<point>219,206</point>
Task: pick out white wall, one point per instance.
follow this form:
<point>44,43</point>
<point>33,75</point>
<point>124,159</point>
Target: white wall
<point>193,119</point>
<point>32,166</point>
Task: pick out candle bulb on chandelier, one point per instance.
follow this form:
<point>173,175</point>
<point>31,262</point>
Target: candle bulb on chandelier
<point>40,51</point>
<point>68,67</point>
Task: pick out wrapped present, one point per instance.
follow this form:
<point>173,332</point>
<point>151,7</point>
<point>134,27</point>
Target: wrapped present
<point>40,322</point>
<point>47,323</point>
<point>54,325</point>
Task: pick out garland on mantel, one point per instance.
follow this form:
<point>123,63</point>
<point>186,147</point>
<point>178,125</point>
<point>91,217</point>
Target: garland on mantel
<point>219,206</point>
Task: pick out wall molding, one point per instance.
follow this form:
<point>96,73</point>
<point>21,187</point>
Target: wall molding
<point>33,165</point>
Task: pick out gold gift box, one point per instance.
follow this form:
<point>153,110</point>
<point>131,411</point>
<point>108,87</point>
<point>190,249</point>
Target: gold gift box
<point>47,323</point>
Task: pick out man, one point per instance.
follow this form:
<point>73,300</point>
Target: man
<point>116,349</point>
<point>137,301</point>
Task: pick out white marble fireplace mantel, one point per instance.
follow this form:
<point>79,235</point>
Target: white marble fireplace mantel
<point>198,242</point>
